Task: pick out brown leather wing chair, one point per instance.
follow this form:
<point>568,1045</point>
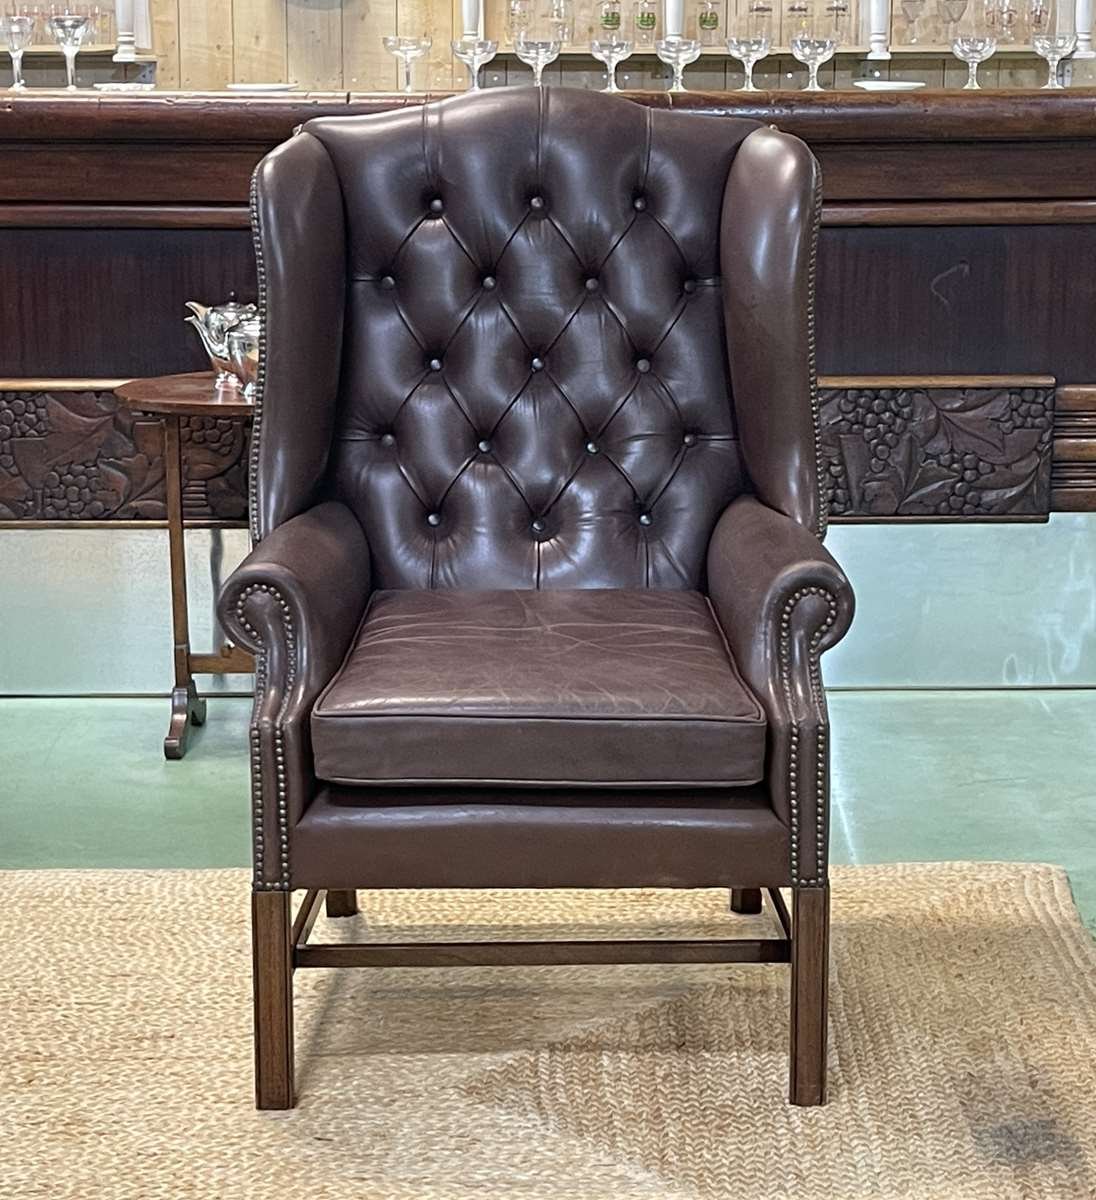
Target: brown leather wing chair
<point>537,591</point>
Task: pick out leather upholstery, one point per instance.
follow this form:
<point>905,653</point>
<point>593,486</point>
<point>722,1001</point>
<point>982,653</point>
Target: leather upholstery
<point>586,687</point>
<point>535,388</point>
<point>501,337</point>
<point>402,837</point>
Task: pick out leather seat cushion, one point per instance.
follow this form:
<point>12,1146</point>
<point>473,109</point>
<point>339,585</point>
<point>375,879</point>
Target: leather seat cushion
<point>605,688</point>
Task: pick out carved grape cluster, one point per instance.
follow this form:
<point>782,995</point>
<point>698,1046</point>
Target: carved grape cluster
<point>880,417</point>
<point>216,434</point>
<point>71,490</point>
<point>24,416</point>
<point>962,497</point>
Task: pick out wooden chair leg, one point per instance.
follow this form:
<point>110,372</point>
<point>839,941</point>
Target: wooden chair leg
<point>341,903</point>
<point>273,980</point>
<point>745,900</point>
<point>810,980</point>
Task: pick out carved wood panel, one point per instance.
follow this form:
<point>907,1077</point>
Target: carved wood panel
<point>932,452</point>
<point>78,455</point>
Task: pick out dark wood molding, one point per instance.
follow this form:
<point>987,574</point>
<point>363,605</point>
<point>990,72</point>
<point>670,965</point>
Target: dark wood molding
<point>1073,477</point>
<point>961,212</point>
<point>124,216</point>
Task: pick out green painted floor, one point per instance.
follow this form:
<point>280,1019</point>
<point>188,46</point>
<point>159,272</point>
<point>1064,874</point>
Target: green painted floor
<point>916,776</point>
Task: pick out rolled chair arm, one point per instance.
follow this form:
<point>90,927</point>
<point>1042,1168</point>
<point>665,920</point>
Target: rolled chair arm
<point>782,601</point>
<point>295,601</point>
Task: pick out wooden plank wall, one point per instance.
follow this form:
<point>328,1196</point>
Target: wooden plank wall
<point>323,45</point>
<point>331,45</point>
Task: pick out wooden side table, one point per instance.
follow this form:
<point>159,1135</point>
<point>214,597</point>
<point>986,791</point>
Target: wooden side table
<point>172,397</point>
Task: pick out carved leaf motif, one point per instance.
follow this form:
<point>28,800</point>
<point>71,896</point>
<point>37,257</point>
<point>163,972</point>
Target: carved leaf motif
<point>142,493</point>
<point>30,459</point>
<point>72,437</point>
<point>968,433</point>
<point>13,489</point>
<point>857,459</point>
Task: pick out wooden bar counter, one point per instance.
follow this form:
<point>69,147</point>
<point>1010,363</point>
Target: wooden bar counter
<point>955,286</point>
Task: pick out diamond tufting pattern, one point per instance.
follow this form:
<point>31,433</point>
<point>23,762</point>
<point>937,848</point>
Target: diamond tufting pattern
<point>534,380</point>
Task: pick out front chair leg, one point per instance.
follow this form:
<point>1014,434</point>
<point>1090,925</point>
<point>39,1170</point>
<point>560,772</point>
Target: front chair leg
<point>341,903</point>
<point>745,900</point>
<point>810,978</point>
<point>273,980</point>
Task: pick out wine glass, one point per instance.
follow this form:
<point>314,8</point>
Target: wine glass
<point>536,53</point>
<point>1053,35</point>
<point>474,52</point>
<point>911,12</point>
<point>975,40</point>
<point>519,14</point>
<point>561,19</point>
<point>750,41</point>
<point>951,12</point>
<point>677,52</point>
<point>814,40</point>
<point>610,48</point>
<point>68,31</point>
<point>18,32</point>
<point>407,49</point>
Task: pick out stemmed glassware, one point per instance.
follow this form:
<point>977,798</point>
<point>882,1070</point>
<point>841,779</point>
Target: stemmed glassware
<point>536,53</point>
<point>974,42</point>
<point>475,53</point>
<point>814,39</point>
<point>677,52</point>
<point>561,20</point>
<point>69,30</point>
<point>1053,36</point>
<point>951,11</point>
<point>750,41</point>
<point>610,47</point>
<point>18,32</point>
<point>911,11</point>
<point>407,49</point>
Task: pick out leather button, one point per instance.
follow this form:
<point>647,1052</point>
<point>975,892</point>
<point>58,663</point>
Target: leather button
<point>437,205</point>
<point>388,283</point>
<point>643,365</point>
<point>689,439</point>
<point>435,364</point>
<point>639,203</point>
<point>591,447</point>
<point>537,364</point>
<point>433,519</point>
<point>689,286</point>
<point>644,518</point>
<point>537,202</point>
<point>537,526</point>
<point>389,439</point>
<point>483,445</point>
<point>489,283</point>
<point>592,284</point>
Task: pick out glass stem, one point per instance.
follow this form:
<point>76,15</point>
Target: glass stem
<point>1052,77</point>
<point>972,77</point>
<point>473,77</point>
<point>678,84</point>
<point>812,80</point>
<point>16,68</point>
<point>70,70</point>
<point>406,74</point>
<point>748,86</point>
<point>612,85</point>
<point>538,71</point>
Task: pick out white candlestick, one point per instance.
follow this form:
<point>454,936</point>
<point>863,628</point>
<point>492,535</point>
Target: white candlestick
<point>675,18</point>
<point>126,37</point>
<point>1084,30</point>
<point>470,17</point>
<point>879,29</point>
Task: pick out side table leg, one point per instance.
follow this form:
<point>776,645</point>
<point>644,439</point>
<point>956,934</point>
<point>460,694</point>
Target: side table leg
<point>187,707</point>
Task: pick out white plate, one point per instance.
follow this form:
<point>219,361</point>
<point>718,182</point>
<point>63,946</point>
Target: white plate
<point>889,85</point>
<point>124,87</point>
<point>262,87</point>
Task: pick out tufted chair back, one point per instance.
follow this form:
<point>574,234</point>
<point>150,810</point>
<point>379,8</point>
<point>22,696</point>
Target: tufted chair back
<point>502,329</point>
<point>534,387</point>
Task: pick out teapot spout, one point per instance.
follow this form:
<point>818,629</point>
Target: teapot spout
<point>214,350</point>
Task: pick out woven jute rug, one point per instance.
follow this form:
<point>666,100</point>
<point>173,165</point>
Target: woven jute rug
<point>963,1049</point>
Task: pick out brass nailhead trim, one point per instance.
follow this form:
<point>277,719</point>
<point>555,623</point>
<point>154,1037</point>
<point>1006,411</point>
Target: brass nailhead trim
<point>281,788</point>
<point>816,414</point>
<point>815,676</point>
<point>260,374</point>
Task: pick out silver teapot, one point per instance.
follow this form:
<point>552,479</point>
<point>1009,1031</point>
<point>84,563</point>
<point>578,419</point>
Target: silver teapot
<point>242,341</point>
<point>213,324</point>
